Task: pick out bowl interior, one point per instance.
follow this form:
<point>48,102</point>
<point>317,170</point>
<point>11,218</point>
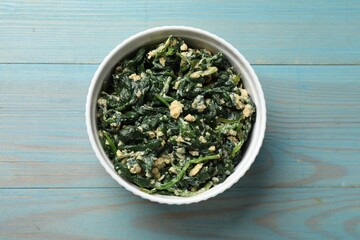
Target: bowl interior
<point>197,39</point>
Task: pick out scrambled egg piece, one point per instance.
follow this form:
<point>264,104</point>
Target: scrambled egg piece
<point>190,118</point>
<point>176,109</point>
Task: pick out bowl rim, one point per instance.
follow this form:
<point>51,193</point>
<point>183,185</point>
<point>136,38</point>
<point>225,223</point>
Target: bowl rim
<point>232,178</point>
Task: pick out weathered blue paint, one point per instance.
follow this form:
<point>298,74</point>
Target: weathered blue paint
<point>304,184</point>
<point>267,32</point>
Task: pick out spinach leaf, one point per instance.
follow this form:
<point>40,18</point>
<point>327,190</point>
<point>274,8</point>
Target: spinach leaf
<point>175,120</point>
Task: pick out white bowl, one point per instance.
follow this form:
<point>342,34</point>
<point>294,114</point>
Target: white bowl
<point>196,38</point>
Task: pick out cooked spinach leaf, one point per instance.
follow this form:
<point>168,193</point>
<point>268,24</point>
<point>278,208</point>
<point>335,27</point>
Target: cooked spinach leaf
<point>175,119</point>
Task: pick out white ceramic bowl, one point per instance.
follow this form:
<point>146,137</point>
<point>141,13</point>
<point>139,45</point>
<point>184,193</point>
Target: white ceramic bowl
<point>195,38</point>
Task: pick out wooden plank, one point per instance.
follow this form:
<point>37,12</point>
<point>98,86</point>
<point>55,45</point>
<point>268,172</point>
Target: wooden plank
<point>43,134</point>
<point>312,138</point>
<point>252,213</point>
<point>266,32</point>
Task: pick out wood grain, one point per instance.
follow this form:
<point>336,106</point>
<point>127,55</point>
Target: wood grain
<point>305,182</point>
<point>312,138</point>
<point>252,213</point>
<point>266,32</point>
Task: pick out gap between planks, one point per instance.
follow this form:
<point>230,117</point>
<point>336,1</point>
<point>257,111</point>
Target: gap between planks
<point>119,187</point>
<point>252,64</point>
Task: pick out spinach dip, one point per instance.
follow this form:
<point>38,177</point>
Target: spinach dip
<point>174,119</point>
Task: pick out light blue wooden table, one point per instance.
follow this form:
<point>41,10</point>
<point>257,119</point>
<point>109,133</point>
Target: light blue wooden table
<point>305,183</point>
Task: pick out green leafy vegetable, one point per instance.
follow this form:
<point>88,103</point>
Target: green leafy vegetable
<point>182,172</point>
<point>175,119</point>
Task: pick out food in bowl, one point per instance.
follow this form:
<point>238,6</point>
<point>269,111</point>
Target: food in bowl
<point>173,119</point>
